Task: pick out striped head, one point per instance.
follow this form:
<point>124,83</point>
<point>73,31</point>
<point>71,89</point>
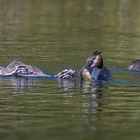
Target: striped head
<point>95,60</point>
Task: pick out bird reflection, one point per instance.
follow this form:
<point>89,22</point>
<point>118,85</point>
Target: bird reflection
<point>67,84</point>
<point>91,93</point>
<point>92,97</point>
<point>18,84</point>
<point>85,86</point>
<point>91,86</point>
<point>21,83</point>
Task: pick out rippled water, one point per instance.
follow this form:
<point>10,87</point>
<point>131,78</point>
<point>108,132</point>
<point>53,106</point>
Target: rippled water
<point>54,35</point>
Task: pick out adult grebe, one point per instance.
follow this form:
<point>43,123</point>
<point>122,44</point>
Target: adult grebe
<point>95,69</point>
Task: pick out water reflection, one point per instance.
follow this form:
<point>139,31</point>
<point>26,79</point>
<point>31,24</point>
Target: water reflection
<point>21,83</point>
<point>86,86</point>
<point>91,87</point>
<point>18,84</point>
<point>90,92</point>
<point>67,85</point>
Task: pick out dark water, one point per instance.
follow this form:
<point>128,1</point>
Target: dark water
<point>53,35</point>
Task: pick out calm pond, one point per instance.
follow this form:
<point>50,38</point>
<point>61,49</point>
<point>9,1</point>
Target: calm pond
<point>58,34</point>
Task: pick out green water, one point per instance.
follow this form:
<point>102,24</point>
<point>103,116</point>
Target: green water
<point>54,35</point>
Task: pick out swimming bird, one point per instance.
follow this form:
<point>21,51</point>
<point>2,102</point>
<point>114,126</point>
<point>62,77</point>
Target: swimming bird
<point>94,68</point>
<point>134,66</point>
<point>68,74</point>
<point>17,68</point>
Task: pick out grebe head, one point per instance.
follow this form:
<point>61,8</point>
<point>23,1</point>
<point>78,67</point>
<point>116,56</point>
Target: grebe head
<point>135,65</point>
<point>94,61</point>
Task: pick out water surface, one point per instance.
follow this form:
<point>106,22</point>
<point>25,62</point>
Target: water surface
<point>54,35</point>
